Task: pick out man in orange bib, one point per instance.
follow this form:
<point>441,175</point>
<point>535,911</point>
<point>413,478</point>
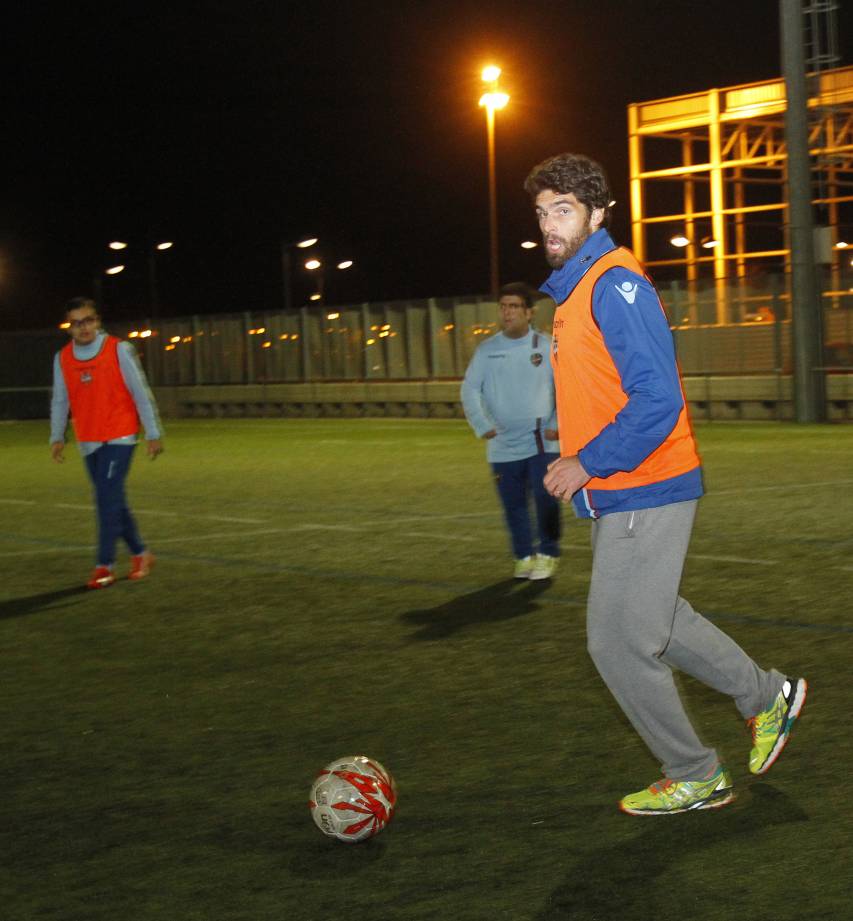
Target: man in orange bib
<point>628,461</point>
<point>99,381</point>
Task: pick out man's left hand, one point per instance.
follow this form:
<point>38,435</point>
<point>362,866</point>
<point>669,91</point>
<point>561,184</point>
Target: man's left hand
<point>154,447</point>
<point>565,477</point>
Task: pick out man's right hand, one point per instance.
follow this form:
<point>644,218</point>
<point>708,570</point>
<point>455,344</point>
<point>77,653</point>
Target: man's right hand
<point>56,450</point>
<point>490,434</point>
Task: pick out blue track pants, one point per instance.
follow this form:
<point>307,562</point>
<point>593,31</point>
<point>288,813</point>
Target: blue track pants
<point>516,482</point>
<point>108,468</point>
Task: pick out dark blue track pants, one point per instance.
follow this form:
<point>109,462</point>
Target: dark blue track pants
<point>516,481</point>
<point>108,468</point>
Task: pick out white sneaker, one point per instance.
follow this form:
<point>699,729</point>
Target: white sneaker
<point>524,567</point>
<point>544,567</point>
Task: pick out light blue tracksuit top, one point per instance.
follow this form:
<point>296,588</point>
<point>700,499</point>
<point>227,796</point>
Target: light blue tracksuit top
<point>509,386</point>
<point>134,379</point>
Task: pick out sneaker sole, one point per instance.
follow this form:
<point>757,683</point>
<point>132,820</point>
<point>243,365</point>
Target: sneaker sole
<point>723,798</point>
<point>793,713</point>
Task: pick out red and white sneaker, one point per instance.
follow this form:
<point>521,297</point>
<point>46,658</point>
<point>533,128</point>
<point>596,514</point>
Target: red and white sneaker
<point>102,577</point>
<point>140,566</point>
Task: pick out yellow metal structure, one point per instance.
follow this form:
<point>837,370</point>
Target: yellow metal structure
<point>711,166</point>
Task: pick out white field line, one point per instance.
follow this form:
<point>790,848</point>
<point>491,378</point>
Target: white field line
<point>779,487</point>
<point>440,537</point>
<point>327,527</point>
<point>161,514</point>
<point>18,501</point>
<point>751,561</point>
<point>167,540</point>
<point>222,535</point>
<point>47,550</point>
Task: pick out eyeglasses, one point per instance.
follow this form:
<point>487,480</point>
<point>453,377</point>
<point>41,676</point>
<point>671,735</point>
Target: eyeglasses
<point>85,321</point>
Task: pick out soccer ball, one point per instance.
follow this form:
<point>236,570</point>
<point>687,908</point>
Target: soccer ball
<point>353,799</point>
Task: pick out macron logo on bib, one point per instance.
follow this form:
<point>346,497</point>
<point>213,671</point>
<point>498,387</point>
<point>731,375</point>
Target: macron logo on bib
<point>627,290</point>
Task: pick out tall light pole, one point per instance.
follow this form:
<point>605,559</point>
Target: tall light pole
<point>492,100</point>
<point>286,267</point>
<point>153,291</point>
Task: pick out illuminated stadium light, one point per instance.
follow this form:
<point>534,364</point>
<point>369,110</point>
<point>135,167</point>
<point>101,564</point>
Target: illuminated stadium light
<point>679,240</point>
<point>494,101</point>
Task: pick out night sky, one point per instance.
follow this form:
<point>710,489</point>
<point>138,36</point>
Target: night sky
<point>230,126</point>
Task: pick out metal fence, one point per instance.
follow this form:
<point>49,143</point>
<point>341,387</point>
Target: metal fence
<point>416,340</point>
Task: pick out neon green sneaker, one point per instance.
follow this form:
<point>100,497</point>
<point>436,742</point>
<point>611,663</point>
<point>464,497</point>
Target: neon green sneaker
<point>523,567</point>
<point>544,567</point>
<point>666,797</point>
<point>771,727</point>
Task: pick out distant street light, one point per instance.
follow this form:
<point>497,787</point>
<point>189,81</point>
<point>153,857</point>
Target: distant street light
<point>679,240</point>
<point>492,101</point>
<point>153,297</point>
<point>286,267</point>
<point>316,265</point>
<point>529,244</point>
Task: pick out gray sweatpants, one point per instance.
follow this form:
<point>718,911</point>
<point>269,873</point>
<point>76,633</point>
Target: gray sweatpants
<point>639,629</point>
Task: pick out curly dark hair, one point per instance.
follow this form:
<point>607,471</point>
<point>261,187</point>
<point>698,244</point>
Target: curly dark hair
<point>572,173</point>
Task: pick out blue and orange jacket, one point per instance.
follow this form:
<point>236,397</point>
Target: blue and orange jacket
<point>620,404</point>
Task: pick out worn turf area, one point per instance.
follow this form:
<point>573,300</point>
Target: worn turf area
<point>328,587</point>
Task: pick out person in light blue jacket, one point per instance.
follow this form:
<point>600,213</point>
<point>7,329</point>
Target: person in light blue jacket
<point>508,398</point>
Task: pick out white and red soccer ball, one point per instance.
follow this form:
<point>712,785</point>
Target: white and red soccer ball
<point>353,799</point>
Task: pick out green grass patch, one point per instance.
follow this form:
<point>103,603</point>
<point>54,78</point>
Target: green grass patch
<point>330,587</point>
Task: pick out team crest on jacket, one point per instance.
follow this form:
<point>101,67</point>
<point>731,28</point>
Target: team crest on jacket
<point>536,359</point>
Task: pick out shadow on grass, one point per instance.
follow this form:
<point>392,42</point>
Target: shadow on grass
<point>316,856</point>
<point>502,601</point>
<point>620,881</point>
<point>33,604</point>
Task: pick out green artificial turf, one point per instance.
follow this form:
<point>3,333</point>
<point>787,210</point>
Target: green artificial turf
<point>330,587</point>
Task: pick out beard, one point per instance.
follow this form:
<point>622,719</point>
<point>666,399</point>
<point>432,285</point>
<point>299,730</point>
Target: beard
<point>569,246</point>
